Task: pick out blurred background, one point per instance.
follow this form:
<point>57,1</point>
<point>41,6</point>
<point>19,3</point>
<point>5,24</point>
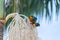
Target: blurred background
<point>47,12</point>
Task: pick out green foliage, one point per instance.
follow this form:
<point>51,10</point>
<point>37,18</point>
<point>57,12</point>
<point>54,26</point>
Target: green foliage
<point>29,7</point>
<point>1,9</point>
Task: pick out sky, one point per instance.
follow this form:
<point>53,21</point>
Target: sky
<point>50,30</point>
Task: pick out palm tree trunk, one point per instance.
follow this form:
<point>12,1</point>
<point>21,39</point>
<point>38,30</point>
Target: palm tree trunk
<point>1,30</point>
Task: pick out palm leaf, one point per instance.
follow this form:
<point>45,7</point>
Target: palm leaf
<point>30,7</point>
